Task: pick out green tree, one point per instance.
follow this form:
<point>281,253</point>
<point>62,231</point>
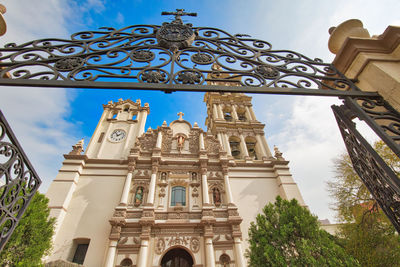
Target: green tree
<point>286,234</point>
<point>31,239</point>
<point>366,232</point>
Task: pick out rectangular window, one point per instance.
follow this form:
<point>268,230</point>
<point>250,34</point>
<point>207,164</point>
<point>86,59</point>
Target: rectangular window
<point>80,253</point>
<point>178,196</point>
<point>101,137</point>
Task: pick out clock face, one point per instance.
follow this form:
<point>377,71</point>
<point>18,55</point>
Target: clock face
<point>118,135</point>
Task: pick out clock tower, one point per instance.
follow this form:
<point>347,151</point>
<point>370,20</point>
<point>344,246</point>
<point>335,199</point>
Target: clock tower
<point>119,126</point>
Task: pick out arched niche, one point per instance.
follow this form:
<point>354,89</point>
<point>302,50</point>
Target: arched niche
<point>252,148</point>
<point>234,143</point>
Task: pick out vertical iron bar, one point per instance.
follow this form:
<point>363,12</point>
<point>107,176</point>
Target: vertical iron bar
<point>381,181</point>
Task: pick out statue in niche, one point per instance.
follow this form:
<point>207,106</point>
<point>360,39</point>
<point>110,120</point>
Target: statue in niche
<point>194,177</point>
<point>163,177</point>
<point>138,196</point>
<point>180,141</point>
<point>216,197</point>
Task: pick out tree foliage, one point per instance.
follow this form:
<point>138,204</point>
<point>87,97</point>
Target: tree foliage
<point>366,232</point>
<point>286,234</point>
<point>31,239</point>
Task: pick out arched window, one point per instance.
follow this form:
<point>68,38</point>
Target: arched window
<point>241,113</point>
<point>251,148</point>
<point>178,196</point>
<point>126,262</point>
<point>234,143</point>
<point>227,116</point>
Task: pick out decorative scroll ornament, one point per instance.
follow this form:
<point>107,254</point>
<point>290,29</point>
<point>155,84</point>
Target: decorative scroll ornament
<point>171,57</point>
<point>19,181</point>
<point>176,35</point>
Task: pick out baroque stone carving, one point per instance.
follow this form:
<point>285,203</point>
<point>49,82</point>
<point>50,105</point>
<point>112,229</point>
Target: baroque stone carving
<point>166,141</point>
<point>160,245</point>
<point>148,141</point>
<point>194,142</point>
<point>212,145</point>
<point>195,216</point>
<point>134,215</point>
<point>161,216</point>
<point>195,244</point>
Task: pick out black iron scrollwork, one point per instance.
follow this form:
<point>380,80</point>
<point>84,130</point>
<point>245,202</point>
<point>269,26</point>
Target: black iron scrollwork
<point>380,180</point>
<point>19,181</point>
<point>170,54</point>
<point>380,116</point>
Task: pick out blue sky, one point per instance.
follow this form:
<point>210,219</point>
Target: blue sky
<point>49,121</point>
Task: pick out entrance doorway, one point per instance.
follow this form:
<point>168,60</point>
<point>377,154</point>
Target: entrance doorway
<point>177,258</point>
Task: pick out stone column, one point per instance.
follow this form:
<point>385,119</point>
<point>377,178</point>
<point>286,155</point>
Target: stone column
<point>210,259</point>
<point>243,146</point>
<point>239,259</point>
<point>204,185</point>
<point>252,113</point>
<point>234,113</point>
<point>127,186</point>
<point>266,147</point>
<point>249,114</point>
<point>221,141</point>
<point>152,186</point>
<point>159,139</point>
<point>112,249</point>
<point>228,147</point>
<point>215,112</point>
<point>261,146</point>
<point>201,142</point>
<point>229,197</point>
<point>143,253</point>
<point>142,116</point>
<point>221,114</point>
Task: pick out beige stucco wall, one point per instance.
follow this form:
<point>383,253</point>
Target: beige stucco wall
<point>87,216</point>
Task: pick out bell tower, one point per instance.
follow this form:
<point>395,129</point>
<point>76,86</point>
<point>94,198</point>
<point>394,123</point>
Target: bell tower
<point>231,119</point>
<point>119,126</point>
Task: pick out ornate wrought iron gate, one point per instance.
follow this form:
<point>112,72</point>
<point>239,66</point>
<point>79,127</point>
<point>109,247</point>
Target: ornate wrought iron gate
<point>180,57</point>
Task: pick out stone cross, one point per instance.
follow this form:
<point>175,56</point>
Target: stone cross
<point>180,114</point>
<point>179,13</point>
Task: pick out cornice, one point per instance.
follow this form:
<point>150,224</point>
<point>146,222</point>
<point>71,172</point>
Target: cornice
<point>386,43</point>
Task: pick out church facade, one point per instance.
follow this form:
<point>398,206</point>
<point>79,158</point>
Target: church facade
<point>172,196</point>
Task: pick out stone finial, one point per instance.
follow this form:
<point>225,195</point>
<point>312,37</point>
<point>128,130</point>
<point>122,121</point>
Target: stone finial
<point>195,125</point>
<point>138,101</point>
<point>164,124</point>
<point>77,149</point>
<point>180,114</point>
<point>278,154</point>
<point>149,130</point>
<point>350,28</point>
<point>3,25</point>
<point>3,9</point>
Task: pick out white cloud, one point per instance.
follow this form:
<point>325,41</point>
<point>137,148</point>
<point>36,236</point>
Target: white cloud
<point>120,18</point>
<point>38,116</point>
